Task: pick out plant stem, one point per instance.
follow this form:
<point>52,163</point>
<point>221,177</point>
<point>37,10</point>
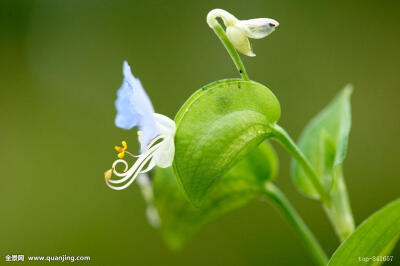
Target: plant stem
<point>283,137</point>
<point>335,203</point>
<point>314,248</point>
<point>220,32</point>
<point>340,213</point>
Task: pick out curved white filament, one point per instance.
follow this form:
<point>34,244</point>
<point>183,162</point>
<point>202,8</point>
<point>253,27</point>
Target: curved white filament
<point>138,164</point>
<point>154,141</point>
<point>116,162</point>
<point>159,152</point>
<point>132,178</point>
<point>152,163</point>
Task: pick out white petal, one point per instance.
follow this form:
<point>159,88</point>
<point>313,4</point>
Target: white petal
<point>164,125</point>
<point>166,128</point>
<point>257,28</point>
<point>164,156</point>
<point>239,40</point>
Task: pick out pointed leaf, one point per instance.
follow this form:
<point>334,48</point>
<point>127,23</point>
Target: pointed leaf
<point>324,142</point>
<point>375,237</point>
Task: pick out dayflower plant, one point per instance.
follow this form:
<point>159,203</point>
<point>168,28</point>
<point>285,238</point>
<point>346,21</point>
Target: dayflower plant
<point>217,158</point>
<point>156,133</point>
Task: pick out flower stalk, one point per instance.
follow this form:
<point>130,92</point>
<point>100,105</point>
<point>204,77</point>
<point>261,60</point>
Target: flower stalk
<point>283,138</point>
<point>220,32</point>
<point>279,199</point>
<point>335,201</point>
<point>237,32</point>
<point>340,213</point>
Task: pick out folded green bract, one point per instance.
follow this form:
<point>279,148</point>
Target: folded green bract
<point>216,127</point>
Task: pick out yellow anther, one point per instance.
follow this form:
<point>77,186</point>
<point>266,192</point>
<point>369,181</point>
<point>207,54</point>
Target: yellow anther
<point>108,174</point>
<point>122,149</point>
<point>119,149</point>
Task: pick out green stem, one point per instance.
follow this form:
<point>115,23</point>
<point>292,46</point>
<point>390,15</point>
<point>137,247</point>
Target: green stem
<point>220,32</point>
<point>283,137</point>
<point>297,222</point>
<point>340,213</point>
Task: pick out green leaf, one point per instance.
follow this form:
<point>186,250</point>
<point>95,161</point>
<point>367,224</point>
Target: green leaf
<point>241,184</point>
<point>374,237</point>
<point>324,143</point>
<point>216,127</point>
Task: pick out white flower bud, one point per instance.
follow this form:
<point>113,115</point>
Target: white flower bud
<point>238,31</point>
<point>257,28</point>
<point>239,40</point>
<point>227,17</point>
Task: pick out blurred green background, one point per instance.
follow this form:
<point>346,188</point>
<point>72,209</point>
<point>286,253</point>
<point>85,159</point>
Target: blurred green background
<point>60,68</point>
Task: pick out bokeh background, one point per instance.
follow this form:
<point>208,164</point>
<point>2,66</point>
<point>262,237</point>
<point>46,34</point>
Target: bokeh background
<point>60,67</point>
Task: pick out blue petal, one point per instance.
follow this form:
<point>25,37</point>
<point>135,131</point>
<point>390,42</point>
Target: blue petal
<point>134,107</point>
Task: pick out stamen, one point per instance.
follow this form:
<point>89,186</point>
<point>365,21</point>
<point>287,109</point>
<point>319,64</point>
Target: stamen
<point>108,174</point>
<point>151,164</point>
<point>126,174</point>
<point>131,154</point>
<point>149,167</point>
<point>114,167</point>
<point>139,134</point>
<point>155,140</point>
<point>129,175</point>
<point>133,177</point>
<point>121,155</point>
<point>124,144</point>
<point>118,148</point>
<point>136,168</point>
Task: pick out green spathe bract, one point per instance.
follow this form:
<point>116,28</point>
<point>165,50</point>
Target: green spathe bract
<point>376,236</point>
<point>216,127</point>
<point>241,184</point>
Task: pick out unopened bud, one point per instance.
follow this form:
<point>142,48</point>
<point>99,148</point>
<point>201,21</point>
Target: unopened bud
<point>239,40</point>
<point>257,28</point>
<point>238,31</point>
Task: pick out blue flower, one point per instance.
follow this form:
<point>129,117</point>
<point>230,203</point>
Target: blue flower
<point>156,133</point>
<point>134,108</point>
